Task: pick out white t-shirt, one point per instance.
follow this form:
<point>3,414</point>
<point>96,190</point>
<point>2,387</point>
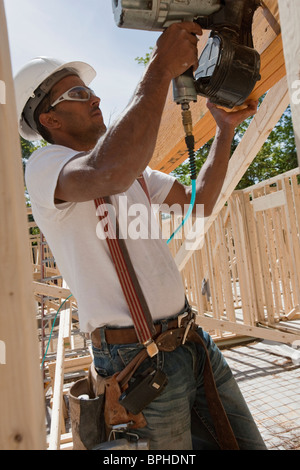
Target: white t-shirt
<point>74,233</point>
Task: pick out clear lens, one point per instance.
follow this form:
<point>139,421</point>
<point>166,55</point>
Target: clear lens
<point>79,93</point>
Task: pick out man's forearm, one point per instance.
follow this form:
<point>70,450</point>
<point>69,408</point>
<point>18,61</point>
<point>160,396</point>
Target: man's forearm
<point>211,177</point>
<point>128,145</point>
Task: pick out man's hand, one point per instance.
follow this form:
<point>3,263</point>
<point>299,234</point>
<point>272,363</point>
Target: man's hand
<point>229,120</point>
<point>176,49</point>
<point>211,177</point>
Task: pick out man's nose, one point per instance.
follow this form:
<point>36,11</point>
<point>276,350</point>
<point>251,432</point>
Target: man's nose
<point>95,100</point>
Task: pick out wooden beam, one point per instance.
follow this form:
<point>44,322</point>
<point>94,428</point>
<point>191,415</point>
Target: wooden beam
<point>290,20</point>
<point>262,124</point>
<point>269,201</point>
<point>170,148</point>
<point>22,407</point>
<point>208,323</point>
<point>51,291</point>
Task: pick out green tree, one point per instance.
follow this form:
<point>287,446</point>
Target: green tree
<point>277,155</point>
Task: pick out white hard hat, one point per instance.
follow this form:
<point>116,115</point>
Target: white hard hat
<point>35,80</point>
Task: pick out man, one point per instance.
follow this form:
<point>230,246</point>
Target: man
<point>88,161</point>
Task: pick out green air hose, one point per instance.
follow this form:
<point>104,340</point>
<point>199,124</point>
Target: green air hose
<point>190,143</point>
<point>60,307</point>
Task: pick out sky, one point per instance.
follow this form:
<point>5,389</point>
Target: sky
<point>83,30</point>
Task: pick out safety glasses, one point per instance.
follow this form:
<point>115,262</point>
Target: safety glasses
<point>77,93</point>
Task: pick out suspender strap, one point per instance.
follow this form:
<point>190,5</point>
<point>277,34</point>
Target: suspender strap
<point>137,304</point>
<point>145,329</point>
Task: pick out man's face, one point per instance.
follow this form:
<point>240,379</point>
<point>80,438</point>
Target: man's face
<point>82,121</point>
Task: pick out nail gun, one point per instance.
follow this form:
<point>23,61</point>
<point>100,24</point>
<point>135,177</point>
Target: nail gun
<point>229,66</point>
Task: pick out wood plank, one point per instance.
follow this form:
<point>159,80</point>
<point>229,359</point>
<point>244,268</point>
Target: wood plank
<point>67,324</point>
<point>273,180</point>
<point>262,124</point>
<point>253,331</point>
<point>55,430</point>
<point>293,241</point>
<point>270,201</point>
<point>289,11</point>
<point>71,365</point>
<point>258,298</point>
<point>22,407</point>
<point>225,270</point>
<point>241,259</point>
<point>50,290</point>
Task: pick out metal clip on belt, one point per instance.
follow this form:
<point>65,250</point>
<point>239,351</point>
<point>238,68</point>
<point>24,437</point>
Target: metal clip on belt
<point>151,347</point>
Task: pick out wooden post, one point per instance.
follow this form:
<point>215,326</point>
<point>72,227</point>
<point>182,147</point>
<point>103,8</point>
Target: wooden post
<point>63,335</point>
<point>290,19</point>
<point>22,408</point>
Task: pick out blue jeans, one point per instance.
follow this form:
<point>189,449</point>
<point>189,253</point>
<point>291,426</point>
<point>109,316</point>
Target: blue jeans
<point>179,419</point>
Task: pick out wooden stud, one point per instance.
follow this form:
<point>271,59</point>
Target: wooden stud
<point>22,407</point>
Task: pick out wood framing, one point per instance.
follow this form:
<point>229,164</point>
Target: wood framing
<point>290,20</point>
<point>262,124</point>
<point>250,259</point>
<point>22,407</point>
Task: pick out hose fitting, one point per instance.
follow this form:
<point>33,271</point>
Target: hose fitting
<point>187,123</point>
<point>187,119</point>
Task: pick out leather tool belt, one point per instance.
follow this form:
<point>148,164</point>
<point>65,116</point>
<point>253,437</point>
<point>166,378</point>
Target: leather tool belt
<point>129,336</point>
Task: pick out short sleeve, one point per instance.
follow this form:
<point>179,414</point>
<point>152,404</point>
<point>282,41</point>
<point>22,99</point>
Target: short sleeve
<point>42,172</point>
<point>159,185</point>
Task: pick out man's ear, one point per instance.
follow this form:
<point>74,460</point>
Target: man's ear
<point>49,121</point>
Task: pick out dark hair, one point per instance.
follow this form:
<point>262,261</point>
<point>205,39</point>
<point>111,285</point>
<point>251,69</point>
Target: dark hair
<point>43,107</point>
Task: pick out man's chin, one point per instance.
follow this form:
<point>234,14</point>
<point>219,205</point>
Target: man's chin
<point>102,129</point>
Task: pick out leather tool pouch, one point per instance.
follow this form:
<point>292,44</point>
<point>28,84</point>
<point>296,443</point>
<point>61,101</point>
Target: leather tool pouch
<point>92,419</point>
<point>87,416</point>
<point>144,390</point>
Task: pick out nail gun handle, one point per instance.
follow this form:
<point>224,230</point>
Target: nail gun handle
<point>184,88</point>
